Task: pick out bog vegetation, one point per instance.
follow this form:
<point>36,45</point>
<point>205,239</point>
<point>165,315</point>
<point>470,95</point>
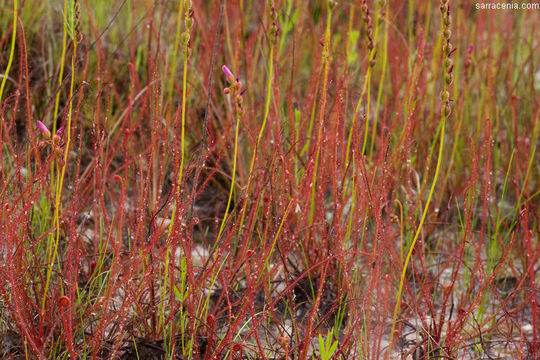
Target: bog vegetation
<point>280,179</point>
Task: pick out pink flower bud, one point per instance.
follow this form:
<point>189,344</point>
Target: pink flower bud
<point>228,73</point>
<point>43,129</point>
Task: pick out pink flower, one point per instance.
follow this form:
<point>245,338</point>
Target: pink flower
<point>43,129</point>
<point>228,73</point>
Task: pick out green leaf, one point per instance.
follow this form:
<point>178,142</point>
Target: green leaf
<point>177,294</point>
<point>321,346</point>
<point>328,347</point>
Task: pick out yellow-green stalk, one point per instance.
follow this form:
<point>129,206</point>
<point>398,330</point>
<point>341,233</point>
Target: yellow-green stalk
<point>11,51</point>
<point>367,82</point>
<point>71,26</point>
<point>188,21</point>
<point>446,110</point>
<point>273,36</point>
<point>383,17</point>
<point>326,64</point>
<point>175,51</point>
<point>236,93</point>
<point>60,78</point>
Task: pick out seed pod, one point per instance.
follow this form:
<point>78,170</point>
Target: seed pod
<point>447,109</point>
<point>185,37</point>
<point>447,62</point>
<point>449,78</point>
<point>447,20</point>
<point>447,33</point>
<point>445,95</point>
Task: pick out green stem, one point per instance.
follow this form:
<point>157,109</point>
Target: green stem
<point>326,59</point>
<point>233,174</point>
<point>11,51</point>
<point>51,257</point>
<point>417,234</point>
<point>261,131</point>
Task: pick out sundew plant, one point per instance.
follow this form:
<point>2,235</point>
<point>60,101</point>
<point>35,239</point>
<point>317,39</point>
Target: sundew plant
<point>270,179</point>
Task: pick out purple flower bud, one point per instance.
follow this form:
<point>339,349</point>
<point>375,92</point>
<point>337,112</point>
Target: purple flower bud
<point>228,73</point>
<point>43,129</point>
<point>57,136</point>
<point>470,49</point>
